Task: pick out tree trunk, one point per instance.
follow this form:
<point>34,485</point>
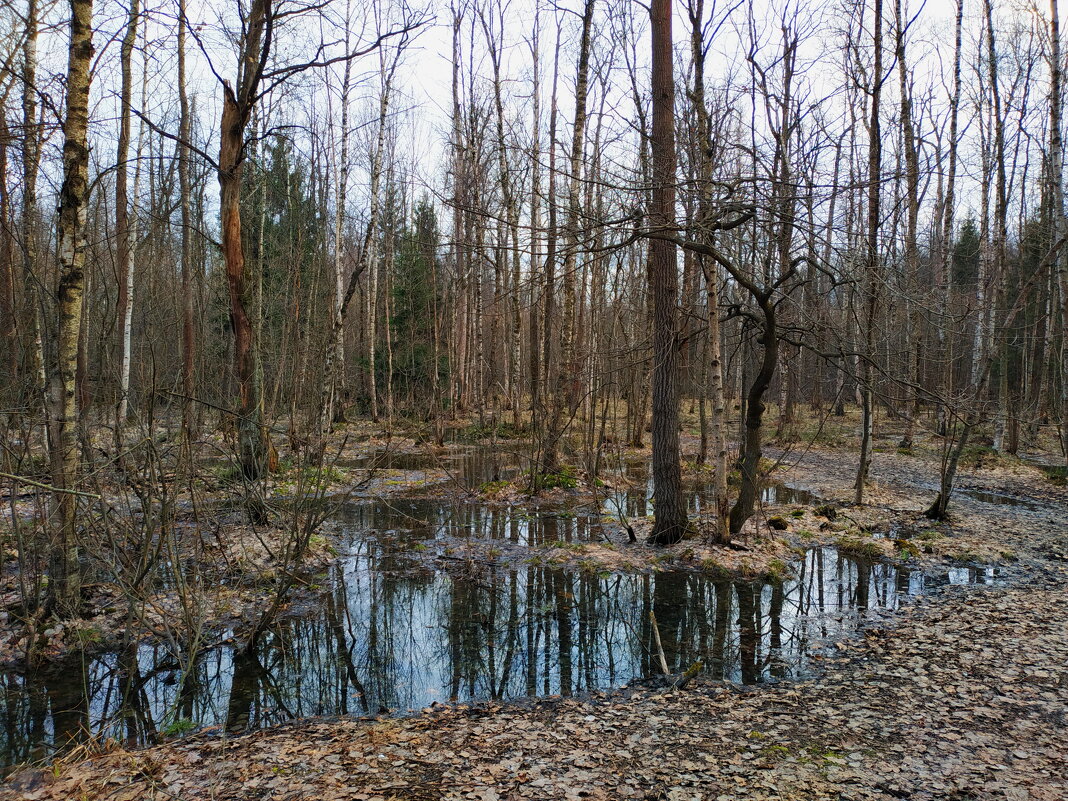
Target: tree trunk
<point>184,189</point>
<point>124,229</point>
<point>334,393</point>
<point>31,154</point>
<point>912,251</point>
<point>945,332</point>
<point>670,522</point>
<point>871,277</point>
<point>332,371</point>
<point>8,329</point>
<point>1057,193</point>
<point>251,435</point>
<point>534,305</point>
<point>713,359</point>
<point>752,442</point>
<point>995,328</point>
<point>65,578</point>
<point>567,377</point>
<point>9,370</point>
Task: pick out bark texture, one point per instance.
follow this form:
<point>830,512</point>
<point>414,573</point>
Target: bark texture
<point>65,578</point>
<point>669,524</point>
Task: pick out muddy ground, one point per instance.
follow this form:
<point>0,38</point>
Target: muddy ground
<point>961,695</point>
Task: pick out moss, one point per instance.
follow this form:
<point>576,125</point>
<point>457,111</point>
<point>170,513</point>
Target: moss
<point>88,635</point>
<point>797,513</point>
<point>317,542</point>
<point>1056,474</point>
<point>906,549</point>
<point>328,474</point>
<point>589,567</point>
<point>978,456</point>
<point>178,726</point>
<point>828,511</point>
<point>767,465</point>
<point>814,753</point>
<point>930,535</point>
<point>225,473</point>
<point>565,478</point>
<point>568,546</point>
<point>857,544</point>
<point>715,569</point>
<point>778,570</point>
<point>778,523</point>
<point>775,752</point>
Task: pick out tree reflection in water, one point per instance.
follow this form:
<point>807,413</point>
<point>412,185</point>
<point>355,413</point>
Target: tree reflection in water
<point>391,638</point>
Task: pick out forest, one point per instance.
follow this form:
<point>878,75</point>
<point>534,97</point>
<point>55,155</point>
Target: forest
<point>521,399</point>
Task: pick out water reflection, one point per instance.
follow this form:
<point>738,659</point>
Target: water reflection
<point>471,466</point>
<point>389,639</point>
<point>475,466</point>
<point>409,520</point>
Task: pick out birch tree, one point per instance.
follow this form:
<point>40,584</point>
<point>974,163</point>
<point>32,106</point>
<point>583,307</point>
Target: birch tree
<point>65,573</point>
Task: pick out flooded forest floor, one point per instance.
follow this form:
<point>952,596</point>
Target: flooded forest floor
<point>960,691</point>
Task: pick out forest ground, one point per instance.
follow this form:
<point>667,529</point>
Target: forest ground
<point>962,694</point>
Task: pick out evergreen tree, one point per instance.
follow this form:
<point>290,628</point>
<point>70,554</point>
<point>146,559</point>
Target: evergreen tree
<point>416,298</point>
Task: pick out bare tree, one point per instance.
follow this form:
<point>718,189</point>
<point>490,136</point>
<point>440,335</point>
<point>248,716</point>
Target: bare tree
<point>65,572</point>
<point>872,271</point>
<point>1056,153</point>
<point>566,393</point>
<point>125,228</point>
<point>670,521</point>
<point>185,201</point>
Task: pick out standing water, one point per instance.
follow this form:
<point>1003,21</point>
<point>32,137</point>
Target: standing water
<point>391,635</point>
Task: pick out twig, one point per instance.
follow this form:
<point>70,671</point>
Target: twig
<point>49,487</point>
<point>659,646</point>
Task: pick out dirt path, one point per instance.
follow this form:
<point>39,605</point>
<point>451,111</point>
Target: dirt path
<point>963,696</point>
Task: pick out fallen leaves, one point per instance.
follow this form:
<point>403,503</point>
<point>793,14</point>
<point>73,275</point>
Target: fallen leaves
<point>922,711</point>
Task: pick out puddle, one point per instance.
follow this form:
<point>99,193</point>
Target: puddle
<point>387,639</point>
<point>389,635</point>
<point>786,495</point>
<point>473,466</point>
<point>409,520</point>
<point>987,496</point>
<point>996,498</point>
<point>638,502</point>
<point>971,575</point>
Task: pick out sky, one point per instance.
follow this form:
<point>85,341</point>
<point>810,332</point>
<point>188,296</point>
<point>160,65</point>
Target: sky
<point>422,105</point>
